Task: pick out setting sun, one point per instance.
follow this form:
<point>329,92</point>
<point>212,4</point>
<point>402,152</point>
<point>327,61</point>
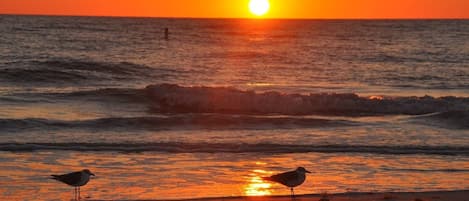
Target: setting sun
<point>259,7</point>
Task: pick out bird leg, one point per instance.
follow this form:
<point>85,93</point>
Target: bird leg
<point>79,192</point>
<point>292,194</point>
<point>74,193</point>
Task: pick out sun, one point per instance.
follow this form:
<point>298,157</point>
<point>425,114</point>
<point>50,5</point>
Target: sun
<point>259,7</point>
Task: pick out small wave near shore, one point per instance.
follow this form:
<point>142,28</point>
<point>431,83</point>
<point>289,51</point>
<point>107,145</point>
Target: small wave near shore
<point>178,147</point>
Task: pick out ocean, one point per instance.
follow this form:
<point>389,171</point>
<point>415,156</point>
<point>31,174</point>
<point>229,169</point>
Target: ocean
<point>365,105</point>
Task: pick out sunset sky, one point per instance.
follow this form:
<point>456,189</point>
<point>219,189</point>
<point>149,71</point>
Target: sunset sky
<point>238,8</point>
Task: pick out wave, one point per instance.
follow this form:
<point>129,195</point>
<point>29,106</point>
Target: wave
<point>425,170</point>
<point>73,71</point>
<point>179,99</point>
<point>176,99</point>
<point>419,57</point>
<point>176,147</point>
<point>41,75</point>
<point>171,122</point>
<point>450,119</point>
<point>107,95</point>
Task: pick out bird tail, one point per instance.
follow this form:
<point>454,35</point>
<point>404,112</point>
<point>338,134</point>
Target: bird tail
<point>56,177</point>
<point>267,178</point>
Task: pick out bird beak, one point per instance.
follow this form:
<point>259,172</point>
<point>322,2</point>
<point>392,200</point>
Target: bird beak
<point>308,171</point>
<point>92,174</point>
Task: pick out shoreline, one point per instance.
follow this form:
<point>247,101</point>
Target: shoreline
<point>458,195</point>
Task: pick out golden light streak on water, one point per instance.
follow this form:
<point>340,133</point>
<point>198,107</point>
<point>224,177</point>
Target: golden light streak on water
<point>256,185</point>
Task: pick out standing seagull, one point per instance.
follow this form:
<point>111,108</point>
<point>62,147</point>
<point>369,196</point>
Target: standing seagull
<point>291,179</point>
<point>75,179</point>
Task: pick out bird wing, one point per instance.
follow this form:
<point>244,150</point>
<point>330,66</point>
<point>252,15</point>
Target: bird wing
<point>70,178</point>
<point>283,178</point>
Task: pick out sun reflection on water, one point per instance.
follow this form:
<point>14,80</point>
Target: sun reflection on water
<point>256,185</point>
<point>376,98</point>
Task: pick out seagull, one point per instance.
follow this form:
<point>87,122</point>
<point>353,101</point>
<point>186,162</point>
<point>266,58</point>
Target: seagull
<point>290,179</point>
<point>75,179</point>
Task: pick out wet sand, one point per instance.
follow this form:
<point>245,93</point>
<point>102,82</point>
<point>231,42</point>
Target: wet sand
<point>411,196</point>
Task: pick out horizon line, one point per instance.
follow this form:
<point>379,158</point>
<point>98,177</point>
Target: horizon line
<point>224,18</point>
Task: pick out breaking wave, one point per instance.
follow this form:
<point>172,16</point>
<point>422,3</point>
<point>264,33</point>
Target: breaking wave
<point>175,98</point>
<point>450,119</point>
<point>176,147</point>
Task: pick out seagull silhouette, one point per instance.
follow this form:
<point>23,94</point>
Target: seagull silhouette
<point>75,179</point>
<point>290,179</point>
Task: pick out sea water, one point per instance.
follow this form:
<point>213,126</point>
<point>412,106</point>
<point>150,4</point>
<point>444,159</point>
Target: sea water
<point>365,105</point>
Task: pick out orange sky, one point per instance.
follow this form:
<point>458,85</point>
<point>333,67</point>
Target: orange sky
<point>238,8</point>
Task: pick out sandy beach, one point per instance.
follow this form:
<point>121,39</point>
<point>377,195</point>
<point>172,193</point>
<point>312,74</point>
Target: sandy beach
<point>401,196</point>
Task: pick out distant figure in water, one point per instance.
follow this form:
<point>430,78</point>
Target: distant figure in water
<point>166,33</point>
<point>290,179</point>
<point>75,179</point>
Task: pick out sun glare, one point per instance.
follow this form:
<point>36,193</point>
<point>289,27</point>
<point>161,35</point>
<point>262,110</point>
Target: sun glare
<point>259,7</point>
<point>256,185</point>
